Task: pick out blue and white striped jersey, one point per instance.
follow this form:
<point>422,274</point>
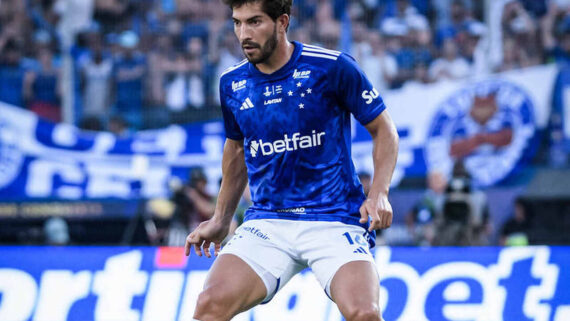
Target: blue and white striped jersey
<point>295,124</point>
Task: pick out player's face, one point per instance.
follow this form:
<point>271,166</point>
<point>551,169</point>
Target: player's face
<point>256,32</point>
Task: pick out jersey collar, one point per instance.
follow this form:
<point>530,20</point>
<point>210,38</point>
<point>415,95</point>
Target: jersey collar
<point>283,70</point>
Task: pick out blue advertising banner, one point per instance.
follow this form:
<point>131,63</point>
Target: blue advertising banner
<point>417,284</point>
<point>491,124</point>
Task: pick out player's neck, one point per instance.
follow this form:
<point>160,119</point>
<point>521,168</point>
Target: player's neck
<point>278,59</point>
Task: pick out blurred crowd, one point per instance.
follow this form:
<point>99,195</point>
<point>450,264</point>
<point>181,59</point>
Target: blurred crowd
<point>136,64</point>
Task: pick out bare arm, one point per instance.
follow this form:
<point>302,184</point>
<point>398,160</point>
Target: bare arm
<point>234,179</point>
<point>384,154</point>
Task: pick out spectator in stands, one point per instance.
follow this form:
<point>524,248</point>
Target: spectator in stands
<point>14,20</point>
<point>420,41</point>
<point>228,54</point>
<point>380,66</point>
<point>421,220</point>
<point>111,13</point>
<point>160,60</point>
<point>96,72</point>
<point>301,34</point>
<point>516,20</point>
<point>56,231</point>
<point>91,123</point>
<point>475,48</point>
<point>195,61</point>
<point>396,34</point>
<point>43,88</point>
<point>328,31</point>
<point>556,32</point>
<point>184,83</point>
<point>118,126</point>
<point>13,75</point>
<point>515,230</point>
<point>421,75</point>
<point>177,86</point>
<point>129,79</point>
<point>451,65</point>
<point>518,25</point>
<point>513,56</point>
<point>193,204</point>
<point>453,17</point>
<point>360,46</point>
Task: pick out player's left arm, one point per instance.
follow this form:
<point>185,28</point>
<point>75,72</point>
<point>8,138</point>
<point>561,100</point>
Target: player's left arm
<point>385,152</point>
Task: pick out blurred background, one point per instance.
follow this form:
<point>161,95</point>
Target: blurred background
<point>111,134</point>
<point>111,117</point>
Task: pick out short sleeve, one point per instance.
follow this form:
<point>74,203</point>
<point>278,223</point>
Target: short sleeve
<point>230,124</point>
<point>354,90</point>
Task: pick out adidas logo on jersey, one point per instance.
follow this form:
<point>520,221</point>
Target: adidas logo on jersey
<point>237,85</point>
<point>301,74</point>
<point>288,143</point>
<point>247,104</point>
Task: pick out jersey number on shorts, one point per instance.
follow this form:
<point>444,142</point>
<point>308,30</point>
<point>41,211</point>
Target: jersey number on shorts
<point>358,241</point>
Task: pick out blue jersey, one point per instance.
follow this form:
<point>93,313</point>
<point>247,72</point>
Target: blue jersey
<point>295,124</point>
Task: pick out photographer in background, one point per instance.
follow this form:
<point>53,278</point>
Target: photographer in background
<point>193,205</point>
<point>465,216</point>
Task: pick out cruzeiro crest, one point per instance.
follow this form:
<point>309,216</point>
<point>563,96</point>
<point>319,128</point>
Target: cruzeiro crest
<point>11,157</point>
<point>488,126</point>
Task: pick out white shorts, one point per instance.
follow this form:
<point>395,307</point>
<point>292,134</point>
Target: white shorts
<point>278,249</point>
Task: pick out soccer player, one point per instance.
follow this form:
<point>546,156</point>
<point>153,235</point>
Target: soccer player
<point>287,117</point>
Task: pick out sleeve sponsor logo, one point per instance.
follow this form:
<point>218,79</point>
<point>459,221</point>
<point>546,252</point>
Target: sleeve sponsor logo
<point>369,96</point>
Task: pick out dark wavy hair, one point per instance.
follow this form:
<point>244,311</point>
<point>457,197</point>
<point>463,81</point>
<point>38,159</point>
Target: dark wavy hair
<point>273,8</point>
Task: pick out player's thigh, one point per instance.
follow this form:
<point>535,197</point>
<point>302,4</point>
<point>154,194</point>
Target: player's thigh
<point>355,289</point>
<point>233,285</point>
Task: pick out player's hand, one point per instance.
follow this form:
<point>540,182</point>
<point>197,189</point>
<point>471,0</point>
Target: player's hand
<point>208,232</point>
<point>379,210</point>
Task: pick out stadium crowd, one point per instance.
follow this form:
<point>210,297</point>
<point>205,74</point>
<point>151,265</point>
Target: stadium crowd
<point>138,64</point>
<point>147,63</point>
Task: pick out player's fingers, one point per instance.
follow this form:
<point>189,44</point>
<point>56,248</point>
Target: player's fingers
<point>217,248</point>
<point>363,214</point>
<point>198,248</point>
<point>376,220</point>
<point>375,224</point>
<point>386,216</point>
<point>206,248</point>
<point>389,217</point>
<point>188,244</point>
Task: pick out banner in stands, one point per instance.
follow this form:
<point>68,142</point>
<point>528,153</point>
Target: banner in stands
<point>417,284</point>
<point>490,124</point>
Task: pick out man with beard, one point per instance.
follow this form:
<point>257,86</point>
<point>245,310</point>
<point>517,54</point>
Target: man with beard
<point>287,118</point>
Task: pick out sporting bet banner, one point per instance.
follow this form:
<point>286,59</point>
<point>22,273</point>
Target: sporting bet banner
<point>161,284</point>
<point>489,123</point>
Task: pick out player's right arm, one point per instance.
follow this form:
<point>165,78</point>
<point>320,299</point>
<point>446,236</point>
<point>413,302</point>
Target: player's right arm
<point>234,180</point>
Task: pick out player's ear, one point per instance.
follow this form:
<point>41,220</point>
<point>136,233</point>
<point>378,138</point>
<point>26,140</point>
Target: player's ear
<point>283,22</point>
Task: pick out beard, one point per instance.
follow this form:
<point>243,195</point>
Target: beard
<point>266,50</point>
